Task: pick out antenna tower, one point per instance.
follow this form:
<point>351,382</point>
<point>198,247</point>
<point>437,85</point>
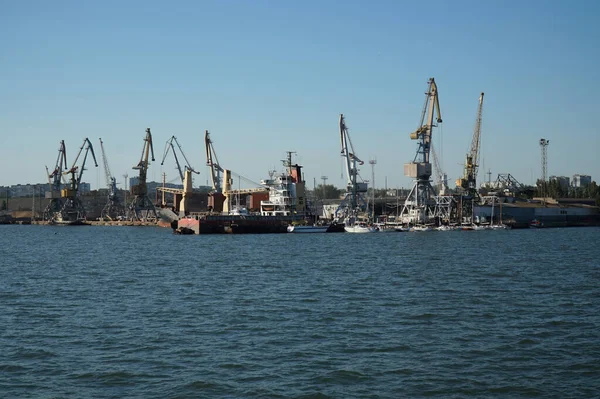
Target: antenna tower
<point>543,145</point>
<point>373,162</point>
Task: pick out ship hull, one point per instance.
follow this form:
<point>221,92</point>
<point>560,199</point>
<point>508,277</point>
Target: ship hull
<point>521,216</point>
<point>235,224</point>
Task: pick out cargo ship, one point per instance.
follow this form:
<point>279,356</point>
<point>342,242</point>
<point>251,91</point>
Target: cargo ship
<point>285,205</point>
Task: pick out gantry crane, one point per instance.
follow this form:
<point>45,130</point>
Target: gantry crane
<point>170,147</point>
<point>68,208</point>
<point>420,204</point>
<point>468,183</point>
<point>354,201</point>
<point>141,208</point>
<point>113,209</point>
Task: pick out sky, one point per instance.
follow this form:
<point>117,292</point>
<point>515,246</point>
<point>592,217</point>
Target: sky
<point>266,77</point>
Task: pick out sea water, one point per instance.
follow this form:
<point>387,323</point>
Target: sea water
<point>137,312</point>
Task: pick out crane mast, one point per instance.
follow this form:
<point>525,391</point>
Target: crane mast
<point>170,147</point>
<point>353,201</point>
<point>420,204</point>
<point>113,209</point>
<point>213,162</point>
<point>141,208</point>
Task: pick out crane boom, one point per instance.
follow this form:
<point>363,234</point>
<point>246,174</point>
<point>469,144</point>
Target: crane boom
<point>73,171</point>
<point>54,178</point>
<point>476,142</point>
<point>469,179</point>
<point>142,166</point>
<point>111,181</point>
<point>169,146</point>
<point>213,162</point>
<point>424,132</point>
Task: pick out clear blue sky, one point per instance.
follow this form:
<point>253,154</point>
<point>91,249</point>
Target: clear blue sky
<point>269,76</point>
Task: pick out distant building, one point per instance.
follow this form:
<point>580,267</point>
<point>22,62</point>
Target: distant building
<point>84,188</point>
<point>133,181</point>
<point>581,180</point>
<point>23,190</point>
<point>564,182</point>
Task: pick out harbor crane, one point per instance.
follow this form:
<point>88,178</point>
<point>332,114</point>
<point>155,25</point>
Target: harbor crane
<point>468,183</point>
<point>66,207</point>
<point>354,201</point>
<point>213,162</point>
<point>420,204</point>
<point>469,180</point>
<point>222,179</point>
<point>141,208</point>
<point>55,181</point>
<point>170,147</point>
<point>113,209</point>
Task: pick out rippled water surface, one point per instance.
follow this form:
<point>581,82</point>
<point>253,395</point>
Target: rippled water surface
<point>114,312</point>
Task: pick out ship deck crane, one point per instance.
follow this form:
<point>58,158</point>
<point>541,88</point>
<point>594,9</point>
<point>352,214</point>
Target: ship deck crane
<point>353,201</point>
<point>170,147</point>
<point>141,208</point>
<point>113,209</point>
<point>420,204</point>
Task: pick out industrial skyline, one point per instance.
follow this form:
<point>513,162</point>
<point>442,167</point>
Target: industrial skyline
<point>271,78</point>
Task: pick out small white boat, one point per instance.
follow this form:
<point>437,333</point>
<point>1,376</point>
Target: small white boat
<point>307,229</point>
<point>478,227</point>
<point>421,228</point>
<point>360,227</point>
<point>498,227</point>
<point>444,228</point>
